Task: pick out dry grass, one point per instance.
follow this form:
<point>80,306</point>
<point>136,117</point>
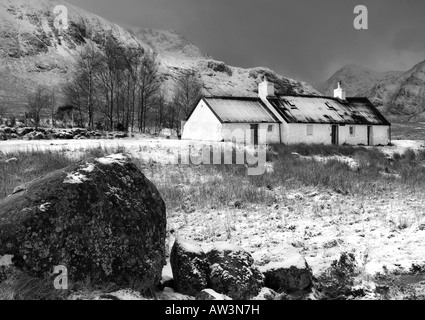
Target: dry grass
<point>302,201</point>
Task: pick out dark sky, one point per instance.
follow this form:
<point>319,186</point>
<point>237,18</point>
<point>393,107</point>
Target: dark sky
<point>304,39</point>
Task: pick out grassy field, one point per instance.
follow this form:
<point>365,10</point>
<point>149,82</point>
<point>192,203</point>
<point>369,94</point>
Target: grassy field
<point>408,131</point>
<point>325,201</point>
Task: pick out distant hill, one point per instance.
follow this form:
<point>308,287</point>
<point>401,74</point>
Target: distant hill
<point>399,95</point>
<point>31,53</point>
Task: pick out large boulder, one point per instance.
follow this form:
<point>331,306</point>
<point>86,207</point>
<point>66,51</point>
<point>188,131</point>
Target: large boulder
<point>100,218</point>
<point>232,272</point>
<point>290,275</point>
<point>190,268</point>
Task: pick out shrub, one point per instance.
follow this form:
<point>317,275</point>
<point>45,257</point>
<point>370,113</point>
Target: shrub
<point>338,280</point>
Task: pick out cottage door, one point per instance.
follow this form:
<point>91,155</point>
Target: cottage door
<point>254,134</point>
<point>369,136</point>
<point>335,138</point>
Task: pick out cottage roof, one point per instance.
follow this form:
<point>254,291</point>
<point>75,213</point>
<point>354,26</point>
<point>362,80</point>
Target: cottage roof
<point>240,110</point>
<point>316,109</point>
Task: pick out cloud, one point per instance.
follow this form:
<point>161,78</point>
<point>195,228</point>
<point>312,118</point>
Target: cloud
<point>304,39</point>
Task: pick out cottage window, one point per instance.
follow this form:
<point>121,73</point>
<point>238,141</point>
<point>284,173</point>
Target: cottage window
<point>293,106</point>
<point>310,130</point>
<point>330,107</point>
<point>352,131</point>
<point>270,129</point>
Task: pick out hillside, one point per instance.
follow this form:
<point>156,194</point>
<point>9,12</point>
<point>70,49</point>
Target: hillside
<point>33,53</point>
<point>356,79</point>
<point>400,95</point>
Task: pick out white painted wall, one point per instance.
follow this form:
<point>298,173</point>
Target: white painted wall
<point>203,125</point>
<point>241,132</point>
<point>381,135</point>
<point>297,133</point>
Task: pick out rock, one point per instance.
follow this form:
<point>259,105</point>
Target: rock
<point>209,294</point>
<point>219,66</point>
<point>232,272</point>
<point>121,135</point>
<point>283,297</point>
<point>266,294</point>
<point>168,284</point>
<point>238,204</point>
<point>35,136</point>
<point>40,136</point>
<point>24,131</point>
<point>288,276</point>
<point>6,260</point>
<point>9,130</point>
<point>89,219</point>
<point>190,269</point>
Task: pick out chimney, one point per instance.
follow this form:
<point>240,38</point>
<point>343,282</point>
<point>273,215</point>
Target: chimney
<point>265,89</point>
<point>339,92</point>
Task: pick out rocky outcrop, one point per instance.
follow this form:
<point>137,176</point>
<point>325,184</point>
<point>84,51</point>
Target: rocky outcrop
<point>224,268</point>
<point>232,272</point>
<point>190,268</point>
<point>291,275</point>
<point>29,133</point>
<point>101,219</point>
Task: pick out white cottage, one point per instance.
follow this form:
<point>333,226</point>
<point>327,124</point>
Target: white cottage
<point>289,119</point>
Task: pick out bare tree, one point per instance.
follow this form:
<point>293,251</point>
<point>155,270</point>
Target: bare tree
<point>149,88</point>
<point>160,111</point>
<point>189,90</point>
<point>117,87</point>
<point>51,106</point>
<point>75,97</point>
<point>2,113</point>
<point>110,80</point>
<point>88,65</point>
<point>38,102</point>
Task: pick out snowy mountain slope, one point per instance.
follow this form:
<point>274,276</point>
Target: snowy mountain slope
<point>404,96</point>
<point>400,95</point>
<point>33,53</point>
<point>356,79</point>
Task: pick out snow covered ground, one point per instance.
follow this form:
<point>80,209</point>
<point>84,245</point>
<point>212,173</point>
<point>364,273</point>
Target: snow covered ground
<point>384,233</point>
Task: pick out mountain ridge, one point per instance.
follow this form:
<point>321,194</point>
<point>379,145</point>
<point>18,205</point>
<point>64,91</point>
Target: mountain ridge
<point>400,95</point>
<point>32,53</point>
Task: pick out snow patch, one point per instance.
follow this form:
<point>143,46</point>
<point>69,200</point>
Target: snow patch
<point>90,167</point>
<point>295,261</point>
<point>6,261</point>
<point>222,247</point>
<point>120,159</point>
<point>75,178</point>
<point>215,295</point>
<point>44,207</point>
<point>191,246</point>
<point>128,295</point>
